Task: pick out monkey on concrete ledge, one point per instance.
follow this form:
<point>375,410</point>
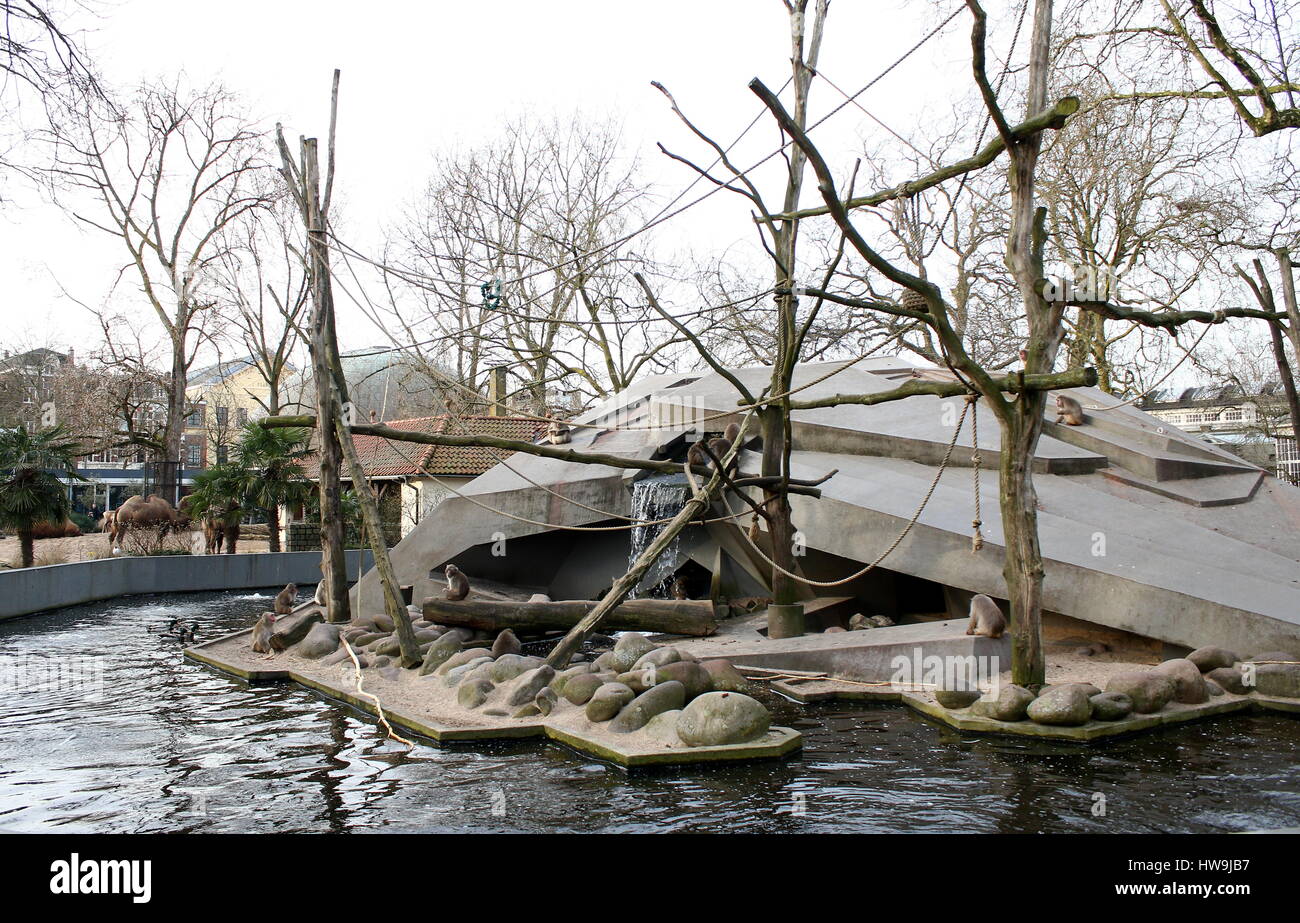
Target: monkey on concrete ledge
<point>558,433</point>
<point>457,583</point>
<point>1068,411</point>
<point>283,604</point>
<point>262,630</point>
<point>986,619</point>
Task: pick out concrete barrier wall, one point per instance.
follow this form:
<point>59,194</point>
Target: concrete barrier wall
<point>38,589</point>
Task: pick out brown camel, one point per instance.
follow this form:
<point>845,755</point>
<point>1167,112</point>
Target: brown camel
<point>139,513</point>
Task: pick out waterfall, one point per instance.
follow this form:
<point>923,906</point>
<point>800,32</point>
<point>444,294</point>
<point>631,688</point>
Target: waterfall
<point>654,498</point>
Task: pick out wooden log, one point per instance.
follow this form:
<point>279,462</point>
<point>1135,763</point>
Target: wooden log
<point>668,616</point>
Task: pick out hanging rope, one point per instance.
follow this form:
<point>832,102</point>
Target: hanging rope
<point>943,464</point>
<point>977,537</point>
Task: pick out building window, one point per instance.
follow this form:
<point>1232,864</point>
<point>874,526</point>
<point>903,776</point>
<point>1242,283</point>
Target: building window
<point>195,418</point>
<point>222,454</point>
<point>241,415</point>
<point>193,456</point>
<point>223,416</point>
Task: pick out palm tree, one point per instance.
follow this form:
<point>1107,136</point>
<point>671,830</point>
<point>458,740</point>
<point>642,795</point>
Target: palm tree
<point>31,493</point>
<point>273,475</point>
<point>218,495</point>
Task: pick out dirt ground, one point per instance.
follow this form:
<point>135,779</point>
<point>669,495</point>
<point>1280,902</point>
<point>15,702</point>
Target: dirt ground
<point>88,548</point>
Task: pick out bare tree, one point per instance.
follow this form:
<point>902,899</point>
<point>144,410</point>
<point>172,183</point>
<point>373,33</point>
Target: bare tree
<point>165,173</point>
<point>513,260</point>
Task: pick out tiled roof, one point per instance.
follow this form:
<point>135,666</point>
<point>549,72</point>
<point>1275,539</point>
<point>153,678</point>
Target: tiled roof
<point>386,458</point>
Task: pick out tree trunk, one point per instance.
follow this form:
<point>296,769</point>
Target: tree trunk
<point>1023,566</point>
<point>272,529</point>
<point>169,463</point>
<point>393,604</point>
<point>1287,375</point>
<point>334,570</point>
<point>777,504</point>
<point>669,616</point>
<point>26,546</point>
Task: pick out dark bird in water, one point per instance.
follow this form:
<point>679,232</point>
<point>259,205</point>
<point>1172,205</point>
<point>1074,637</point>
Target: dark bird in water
<point>178,629</point>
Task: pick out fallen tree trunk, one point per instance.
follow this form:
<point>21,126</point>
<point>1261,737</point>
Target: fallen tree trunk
<point>666,616</point>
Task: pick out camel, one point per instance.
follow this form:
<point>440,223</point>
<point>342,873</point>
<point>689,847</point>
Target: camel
<point>146,513</point>
<point>221,527</point>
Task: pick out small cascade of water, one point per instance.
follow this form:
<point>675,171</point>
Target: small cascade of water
<point>654,498</point>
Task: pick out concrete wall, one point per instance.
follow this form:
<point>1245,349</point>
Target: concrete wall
<point>38,589</point>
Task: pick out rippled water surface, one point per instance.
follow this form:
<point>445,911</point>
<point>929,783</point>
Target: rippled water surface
<point>169,745</point>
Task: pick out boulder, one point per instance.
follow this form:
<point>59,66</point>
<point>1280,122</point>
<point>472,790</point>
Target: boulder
<point>860,622</point>
<point>1088,688</point>
<point>607,701</point>
<point>458,674</point>
<point>425,635</point>
<point>474,692</point>
<point>724,677</point>
<point>1212,658</point>
<point>1149,690</point>
<point>1006,703</point>
<point>1213,688</point>
<point>439,652</point>
<point>506,643</point>
<point>1189,688</point>
<point>659,657</point>
<point>322,639</point>
<point>956,698</point>
<point>630,648</point>
<point>1229,679</point>
<point>579,689</point>
<point>1278,679</point>
<point>719,718</point>
<point>458,659</point>
<point>639,680</point>
<point>389,646</point>
<point>833,630</point>
<point>1066,706</point>
<point>507,666</point>
<point>693,677</point>
<point>1111,706</point>
<point>580,669</point>
<point>527,710</point>
<point>290,629</point>
<point>662,697</point>
<point>880,621</point>
<point>365,638</point>
<point>525,687</point>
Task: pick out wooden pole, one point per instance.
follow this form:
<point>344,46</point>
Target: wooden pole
<point>695,617</point>
<point>332,526</point>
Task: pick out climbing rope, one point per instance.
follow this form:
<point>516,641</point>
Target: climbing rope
<point>977,537</point>
<point>947,455</point>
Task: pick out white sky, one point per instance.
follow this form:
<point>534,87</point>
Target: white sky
<point>422,77</point>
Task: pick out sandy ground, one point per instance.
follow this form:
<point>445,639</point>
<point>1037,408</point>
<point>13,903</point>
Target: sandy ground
<point>88,548</point>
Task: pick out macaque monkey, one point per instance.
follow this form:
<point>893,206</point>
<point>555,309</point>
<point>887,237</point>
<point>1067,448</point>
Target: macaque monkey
<point>262,630</point>
<point>680,589</point>
<point>283,604</point>
<point>558,433</point>
<point>1068,410</point>
<point>731,433</point>
<point>457,583</point>
<point>506,643</point>
<point>754,530</point>
<point>696,458</point>
<point>986,619</point>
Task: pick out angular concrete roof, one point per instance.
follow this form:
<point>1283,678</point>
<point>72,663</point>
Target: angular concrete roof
<point>1143,527</point>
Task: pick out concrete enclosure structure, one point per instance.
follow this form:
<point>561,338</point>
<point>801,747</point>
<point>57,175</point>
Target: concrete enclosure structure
<point>1145,529</point>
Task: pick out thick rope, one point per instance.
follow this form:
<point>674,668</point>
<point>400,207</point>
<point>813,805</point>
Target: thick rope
<point>379,708</point>
<point>977,537</point>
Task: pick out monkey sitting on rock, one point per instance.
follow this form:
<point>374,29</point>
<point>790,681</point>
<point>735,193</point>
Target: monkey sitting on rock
<point>986,618</point>
<point>284,600</point>
<point>457,583</point>
<point>1069,411</point>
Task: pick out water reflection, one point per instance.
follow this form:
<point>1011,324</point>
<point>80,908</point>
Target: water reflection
<point>169,745</point>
